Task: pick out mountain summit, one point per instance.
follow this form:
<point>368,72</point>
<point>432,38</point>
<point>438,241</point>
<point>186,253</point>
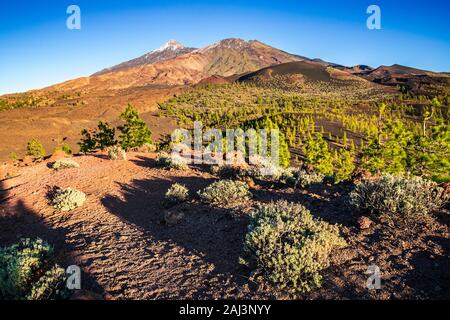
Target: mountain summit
<point>173,45</point>
<point>233,56</point>
<point>171,49</point>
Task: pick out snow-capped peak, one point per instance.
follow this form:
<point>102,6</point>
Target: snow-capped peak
<point>170,45</point>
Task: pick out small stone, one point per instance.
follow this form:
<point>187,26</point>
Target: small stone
<point>249,181</point>
<point>364,223</point>
<point>173,217</point>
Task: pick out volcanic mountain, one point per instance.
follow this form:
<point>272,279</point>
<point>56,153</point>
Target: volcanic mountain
<point>169,50</point>
<point>224,58</point>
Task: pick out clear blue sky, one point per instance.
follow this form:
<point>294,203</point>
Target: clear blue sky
<point>36,48</point>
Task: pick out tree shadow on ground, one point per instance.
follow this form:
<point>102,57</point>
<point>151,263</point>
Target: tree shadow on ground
<point>18,221</point>
<point>214,234</point>
<point>328,202</point>
<point>145,162</point>
<point>430,272</point>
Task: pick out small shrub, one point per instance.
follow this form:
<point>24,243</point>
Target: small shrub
<point>225,192</point>
<point>13,156</point>
<point>303,179</point>
<point>64,164</point>
<point>177,193</point>
<point>398,196</point>
<point>35,149</point>
<point>51,284</point>
<point>116,153</point>
<point>67,149</point>
<point>23,275</point>
<point>64,148</point>
<point>290,246</point>
<point>229,171</point>
<point>67,199</point>
<point>171,161</point>
<point>264,169</point>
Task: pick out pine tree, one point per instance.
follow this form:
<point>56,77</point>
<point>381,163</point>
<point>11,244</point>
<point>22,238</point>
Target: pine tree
<point>344,165</point>
<point>35,149</point>
<point>318,156</point>
<point>135,132</point>
<point>372,159</point>
<point>284,153</point>
<point>430,156</point>
<point>105,136</point>
<point>394,149</point>
<point>344,139</point>
<point>87,143</point>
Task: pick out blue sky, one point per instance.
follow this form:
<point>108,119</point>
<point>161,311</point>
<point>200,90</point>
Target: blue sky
<point>36,48</point>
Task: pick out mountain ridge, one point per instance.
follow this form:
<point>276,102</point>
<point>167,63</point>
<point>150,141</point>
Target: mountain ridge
<point>225,58</point>
<point>167,51</point>
<point>173,64</point>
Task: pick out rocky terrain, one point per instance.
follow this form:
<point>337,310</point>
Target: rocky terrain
<point>129,247</point>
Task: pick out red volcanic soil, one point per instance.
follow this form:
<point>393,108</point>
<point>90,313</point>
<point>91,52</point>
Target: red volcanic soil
<point>126,250</point>
<point>51,124</point>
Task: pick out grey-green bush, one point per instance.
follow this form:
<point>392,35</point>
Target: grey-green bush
<point>116,153</point>
<point>67,199</point>
<point>289,246</point>
<point>177,193</point>
<point>225,193</point>
<point>64,164</point>
<point>23,272</point>
<point>398,196</point>
<point>229,171</point>
<point>264,169</point>
<point>301,178</point>
<point>171,161</point>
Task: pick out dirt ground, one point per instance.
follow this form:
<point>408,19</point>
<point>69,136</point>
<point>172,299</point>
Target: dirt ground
<point>126,250</point>
<point>51,124</point>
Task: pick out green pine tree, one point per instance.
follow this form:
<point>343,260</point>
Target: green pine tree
<point>344,165</point>
<point>135,132</point>
<point>317,155</point>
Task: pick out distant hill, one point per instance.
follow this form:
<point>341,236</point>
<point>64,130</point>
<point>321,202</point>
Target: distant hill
<point>304,70</point>
<point>393,71</point>
<point>412,79</point>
